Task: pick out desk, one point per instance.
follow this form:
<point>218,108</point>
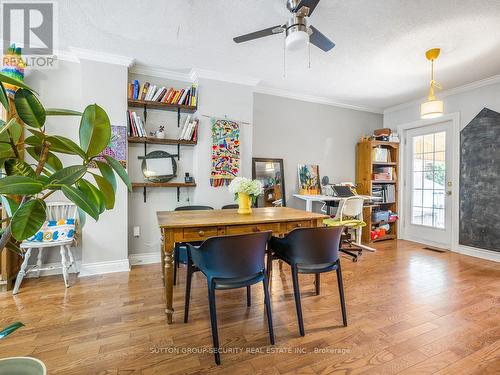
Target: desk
<point>186,226</point>
<point>324,198</point>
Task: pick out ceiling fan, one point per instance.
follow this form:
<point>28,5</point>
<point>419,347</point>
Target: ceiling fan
<point>297,32</point>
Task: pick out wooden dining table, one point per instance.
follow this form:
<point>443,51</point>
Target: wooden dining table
<point>194,226</point>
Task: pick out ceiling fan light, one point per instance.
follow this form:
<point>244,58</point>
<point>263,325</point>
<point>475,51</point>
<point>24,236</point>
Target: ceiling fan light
<point>432,109</point>
<point>297,40</point>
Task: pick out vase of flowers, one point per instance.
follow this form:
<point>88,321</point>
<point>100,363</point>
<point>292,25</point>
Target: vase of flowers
<point>245,192</point>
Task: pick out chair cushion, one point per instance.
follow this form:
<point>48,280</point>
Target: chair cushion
<point>55,231</point>
<point>351,223</point>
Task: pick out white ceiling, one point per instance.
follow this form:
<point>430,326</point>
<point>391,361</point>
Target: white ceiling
<point>378,61</point>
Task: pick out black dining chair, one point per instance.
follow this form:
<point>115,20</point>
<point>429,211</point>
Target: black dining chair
<point>229,206</point>
<point>229,262</point>
<point>181,245</point>
<point>309,251</point>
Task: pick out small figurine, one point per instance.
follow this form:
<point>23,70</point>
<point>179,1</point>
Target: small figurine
<point>160,133</point>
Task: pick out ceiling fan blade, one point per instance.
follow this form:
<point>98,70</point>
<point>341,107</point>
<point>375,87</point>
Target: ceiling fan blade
<point>311,4</point>
<point>259,34</point>
<point>319,40</point>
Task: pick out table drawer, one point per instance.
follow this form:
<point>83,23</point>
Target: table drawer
<point>255,228</point>
<point>298,224</point>
<point>194,234</point>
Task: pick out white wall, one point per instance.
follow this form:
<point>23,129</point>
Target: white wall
<point>309,133</point>
<point>215,99</point>
<point>468,104</point>
<point>75,85</point>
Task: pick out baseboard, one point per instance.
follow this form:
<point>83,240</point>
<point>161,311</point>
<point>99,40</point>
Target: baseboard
<point>144,258</point>
<point>99,268</point>
<point>55,271</point>
<point>478,253</point>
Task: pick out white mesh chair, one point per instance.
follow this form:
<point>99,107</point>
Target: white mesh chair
<point>56,211</point>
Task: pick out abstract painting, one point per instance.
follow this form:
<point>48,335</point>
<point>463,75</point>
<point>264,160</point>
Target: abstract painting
<point>309,179</point>
<point>117,147</point>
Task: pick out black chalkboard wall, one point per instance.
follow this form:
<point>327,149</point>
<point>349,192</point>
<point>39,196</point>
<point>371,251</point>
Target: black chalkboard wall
<point>480,182</point>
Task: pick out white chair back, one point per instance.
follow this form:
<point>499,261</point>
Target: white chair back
<point>61,210</point>
<point>350,206</point>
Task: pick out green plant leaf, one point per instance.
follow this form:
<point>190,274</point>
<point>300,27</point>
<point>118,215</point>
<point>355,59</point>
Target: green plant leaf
<point>52,163</point>
<point>3,97</point>
<point>10,205</point>
<point>65,146</point>
<point>82,218</point>
<point>15,130</point>
<point>29,108</point>
<point>33,141</point>
<point>107,173</point>
<point>19,167</point>
<point>92,193</point>
<point>28,219</point>
<point>61,112</point>
<point>8,125</point>
<point>95,130</point>
<point>81,200</point>
<point>6,79</point>
<point>9,329</point>
<point>107,189</point>
<point>120,171</point>
<point>14,247</point>
<point>68,175</point>
<point>36,133</point>
<point>20,185</point>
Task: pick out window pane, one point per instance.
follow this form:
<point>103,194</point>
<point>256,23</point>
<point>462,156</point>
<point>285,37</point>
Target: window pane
<point>427,199</point>
<point>416,215</point>
<point>418,147</point>
<point>417,180</point>
<point>427,216</point>
<point>428,180</point>
<point>429,143</point>
<point>439,198</point>
<point>417,198</point>
<point>418,160</point>
<point>440,141</point>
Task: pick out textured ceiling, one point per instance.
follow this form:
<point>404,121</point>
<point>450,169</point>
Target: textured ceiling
<point>378,61</point>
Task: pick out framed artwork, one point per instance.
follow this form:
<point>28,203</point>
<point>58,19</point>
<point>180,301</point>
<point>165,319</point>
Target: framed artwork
<point>309,183</point>
<point>117,147</point>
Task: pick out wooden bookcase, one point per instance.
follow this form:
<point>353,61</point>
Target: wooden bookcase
<point>365,183</point>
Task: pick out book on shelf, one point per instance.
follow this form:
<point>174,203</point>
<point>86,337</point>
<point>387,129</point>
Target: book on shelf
<point>147,92</point>
<point>386,193</point>
<point>189,130</point>
<point>136,126</point>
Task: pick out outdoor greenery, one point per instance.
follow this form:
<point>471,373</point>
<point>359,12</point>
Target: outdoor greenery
<point>24,187</point>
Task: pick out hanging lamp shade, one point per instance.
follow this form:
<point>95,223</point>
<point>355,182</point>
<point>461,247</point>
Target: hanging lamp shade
<point>432,108</point>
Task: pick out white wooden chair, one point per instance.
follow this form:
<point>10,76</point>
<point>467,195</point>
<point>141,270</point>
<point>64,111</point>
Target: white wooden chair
<point>55,211</point>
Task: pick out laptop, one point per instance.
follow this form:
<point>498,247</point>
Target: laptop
<point>342,191</point>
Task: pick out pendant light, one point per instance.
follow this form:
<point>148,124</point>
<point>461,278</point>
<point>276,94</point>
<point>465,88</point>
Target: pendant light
<point>432,108</point>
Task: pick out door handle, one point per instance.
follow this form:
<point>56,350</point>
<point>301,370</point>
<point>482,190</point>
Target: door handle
<point>448,192</point>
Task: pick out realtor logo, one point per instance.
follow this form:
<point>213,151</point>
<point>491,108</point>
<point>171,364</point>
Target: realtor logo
<point>30,26</point>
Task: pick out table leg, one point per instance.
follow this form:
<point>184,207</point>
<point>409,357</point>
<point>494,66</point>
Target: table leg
<point>162,259</point>
<point>168,253</point>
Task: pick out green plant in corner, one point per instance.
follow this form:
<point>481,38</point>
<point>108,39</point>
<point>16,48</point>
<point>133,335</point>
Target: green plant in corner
<point>24,187</point>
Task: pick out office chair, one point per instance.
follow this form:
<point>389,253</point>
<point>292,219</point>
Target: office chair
<point>349,216</point>
<point>310,251</point>
<point>229,262</point>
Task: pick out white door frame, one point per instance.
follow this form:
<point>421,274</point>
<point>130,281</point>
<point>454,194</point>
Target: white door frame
<point>454,173</point>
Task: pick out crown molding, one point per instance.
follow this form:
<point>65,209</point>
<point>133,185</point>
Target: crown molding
<point>443,94</point>
<point>104,57</point>
<point>240,79</point>
<point>314,99</point>
<point>161,73</point>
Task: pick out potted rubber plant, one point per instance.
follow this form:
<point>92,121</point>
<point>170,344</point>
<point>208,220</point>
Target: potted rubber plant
<point>24,187</point>
<point>245,192</point>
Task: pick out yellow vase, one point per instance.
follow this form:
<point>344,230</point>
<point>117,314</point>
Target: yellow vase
<point>244,203</point>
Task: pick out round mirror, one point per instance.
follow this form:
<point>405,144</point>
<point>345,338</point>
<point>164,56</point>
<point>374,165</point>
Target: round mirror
<point>159,166</point>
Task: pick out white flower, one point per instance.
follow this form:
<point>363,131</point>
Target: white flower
<point>244,185</point>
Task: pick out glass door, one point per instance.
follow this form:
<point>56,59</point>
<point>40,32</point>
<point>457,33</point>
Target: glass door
<point>428,184</point>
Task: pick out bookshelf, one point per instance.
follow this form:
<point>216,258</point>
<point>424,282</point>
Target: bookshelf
<point>160,141</point>
<point>161,106</point>
<point>367,166</point>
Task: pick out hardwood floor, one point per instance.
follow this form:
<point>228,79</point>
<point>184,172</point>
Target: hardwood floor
<point>410,311</point>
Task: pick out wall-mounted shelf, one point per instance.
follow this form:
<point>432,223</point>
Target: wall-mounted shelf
<point>383,182</point>
<point>162,106</point>
<point>177,185</point>
<point>160,141</point>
